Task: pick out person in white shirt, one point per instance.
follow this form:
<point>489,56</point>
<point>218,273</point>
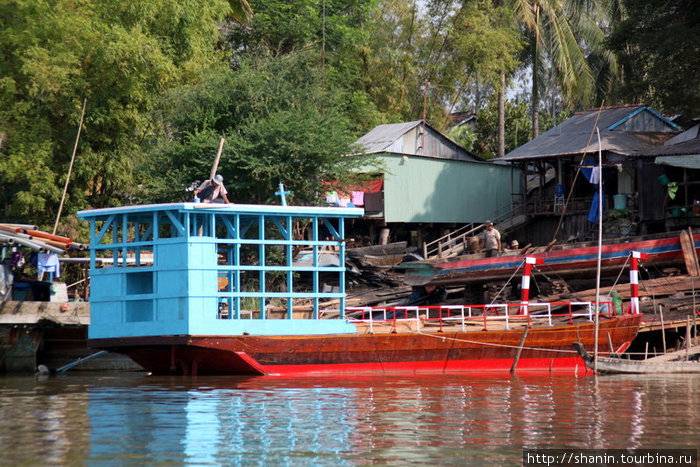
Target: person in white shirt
<point>212,191</point>
<point>492,240</point>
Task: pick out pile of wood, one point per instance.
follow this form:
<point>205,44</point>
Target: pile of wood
<point>373,280</point>
<point>560,287</point>
<point>676,295</point>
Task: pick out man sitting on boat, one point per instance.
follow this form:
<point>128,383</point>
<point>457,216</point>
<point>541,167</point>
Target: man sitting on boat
<point>492,240</point>
<point>212,191</point>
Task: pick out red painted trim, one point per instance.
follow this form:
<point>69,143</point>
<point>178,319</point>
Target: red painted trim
<point>561,365</point>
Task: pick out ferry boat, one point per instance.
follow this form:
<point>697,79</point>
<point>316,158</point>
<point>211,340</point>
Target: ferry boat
<point>189,290</point>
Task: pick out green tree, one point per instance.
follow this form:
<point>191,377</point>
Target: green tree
<point>120,57</point>
<point>492,43</point>
<point>561,34</point>
<point>518,129</point>
<point>337,31</point>
<point>658,46</point>
<point>435,52</point>
<point>464,136</point>
<point>280,126</point>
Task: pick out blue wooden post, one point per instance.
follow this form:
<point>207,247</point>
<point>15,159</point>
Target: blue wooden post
<point>315,282</point>
<point>341,257</point>
<point>289,237</point>
<point>125,230</point>
<point>261,262</point>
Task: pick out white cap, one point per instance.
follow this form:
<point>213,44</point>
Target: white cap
<point>219,179</point>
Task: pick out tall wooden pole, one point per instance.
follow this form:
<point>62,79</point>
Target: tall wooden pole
<point>70,168</point>
<point>663,328</point>
<point>687,337</point>
<point>600,250</point>
<point>215,165</point>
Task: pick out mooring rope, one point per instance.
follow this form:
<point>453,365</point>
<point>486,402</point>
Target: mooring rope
<point>622,269</point>
<point>491,344</point>
<point>469,341</point>
<point>507,282</point>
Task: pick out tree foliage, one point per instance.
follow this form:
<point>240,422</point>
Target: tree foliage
<point>435,54</point>
<point>518,129</point>
<point>562,34</point>
<point>117,56</point>
<point>335,32</point>
<point>280,126</point>
<point>658,45</point>
<point>289,90</point>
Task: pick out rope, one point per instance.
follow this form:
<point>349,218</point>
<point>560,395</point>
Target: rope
<point>668,283</point>
<point>493,344</point>
<point>507,282</point>
<point>620,274</point>
<point>489,344</point>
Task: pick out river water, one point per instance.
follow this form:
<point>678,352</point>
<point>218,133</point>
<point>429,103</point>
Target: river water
<point>122,419</point>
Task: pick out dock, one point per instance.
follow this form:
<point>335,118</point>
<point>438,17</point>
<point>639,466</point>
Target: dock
<point>52,334</point>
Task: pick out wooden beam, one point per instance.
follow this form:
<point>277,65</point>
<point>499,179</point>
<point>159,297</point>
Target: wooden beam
<point>689,254</point>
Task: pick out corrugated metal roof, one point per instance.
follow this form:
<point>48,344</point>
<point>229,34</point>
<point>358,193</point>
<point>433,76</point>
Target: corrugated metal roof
<point>691,161</point>
<point>406,139</point>
<point>381,137</point>
<point>684,144</point>
<point>577,135</point>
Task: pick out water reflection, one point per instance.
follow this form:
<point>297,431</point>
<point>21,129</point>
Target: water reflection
<point>141,420</point>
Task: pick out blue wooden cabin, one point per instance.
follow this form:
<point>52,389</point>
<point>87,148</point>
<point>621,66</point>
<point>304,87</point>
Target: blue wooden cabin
<point>179,269</point>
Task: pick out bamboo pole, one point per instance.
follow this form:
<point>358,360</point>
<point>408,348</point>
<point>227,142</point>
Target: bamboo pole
<point>215,165</point>
<point>663,328</point>
<point>520,349</point>
<point>70,168</point>
<point>600,249</point>
<point>687,337</point>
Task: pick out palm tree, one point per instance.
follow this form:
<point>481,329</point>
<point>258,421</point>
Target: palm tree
<point>562,33</point>
<point>240,10</point>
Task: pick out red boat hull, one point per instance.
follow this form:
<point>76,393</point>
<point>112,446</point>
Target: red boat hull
<point>546,349</point>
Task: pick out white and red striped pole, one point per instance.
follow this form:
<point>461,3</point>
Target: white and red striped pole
<point>525,285</point>
<point>634,281</point>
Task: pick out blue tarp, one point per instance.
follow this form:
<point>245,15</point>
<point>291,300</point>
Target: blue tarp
<point>593,213</point>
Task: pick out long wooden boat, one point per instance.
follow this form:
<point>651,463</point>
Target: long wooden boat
<point>189,311</point>
<point>613,365</point>
<point>566,260</point>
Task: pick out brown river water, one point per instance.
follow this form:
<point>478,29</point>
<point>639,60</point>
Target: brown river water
<point>118,419</point>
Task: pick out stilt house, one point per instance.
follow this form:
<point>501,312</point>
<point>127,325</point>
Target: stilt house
<point>560,200</point>
<point>429,185</point>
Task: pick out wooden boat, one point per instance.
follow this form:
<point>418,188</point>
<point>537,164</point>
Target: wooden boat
<point>568,260</point>
<point>175,315</point>
<point>390,254</point>
<point>623,365</point>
